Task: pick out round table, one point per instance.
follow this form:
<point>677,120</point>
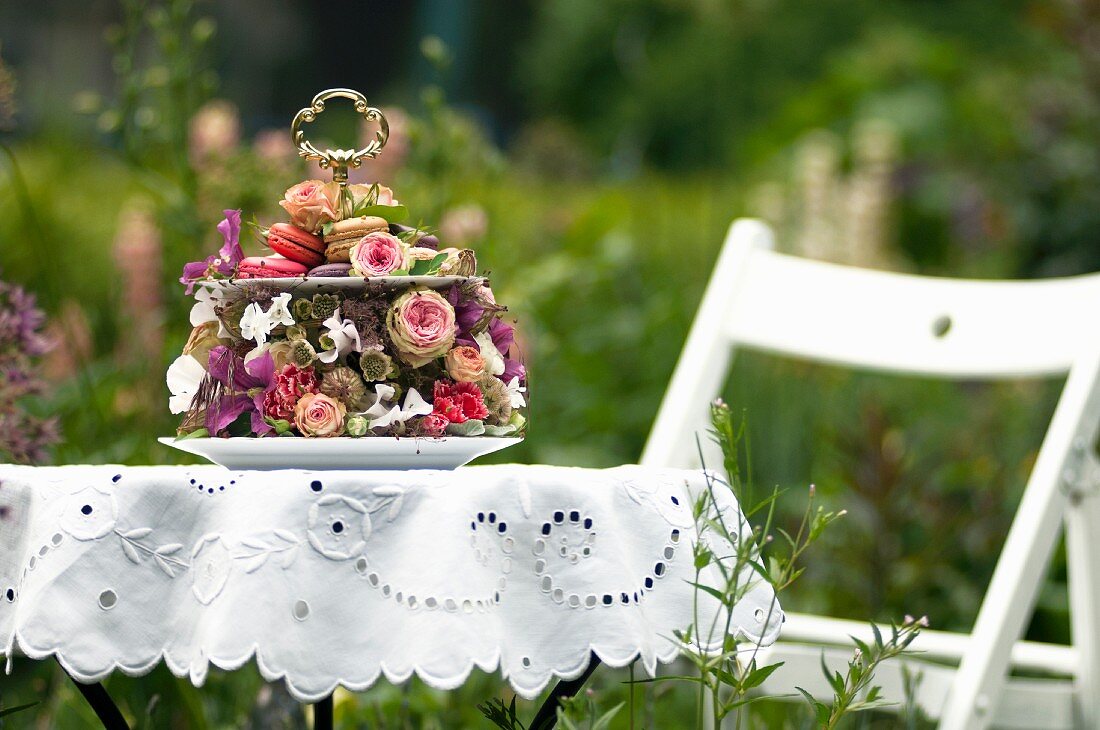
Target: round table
<point>338,578</point>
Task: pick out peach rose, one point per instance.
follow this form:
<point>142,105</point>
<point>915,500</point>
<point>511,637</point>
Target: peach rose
<point>385,195</point>
<point>464,364</point>
<point>320,416</point>
<point>312,203</point>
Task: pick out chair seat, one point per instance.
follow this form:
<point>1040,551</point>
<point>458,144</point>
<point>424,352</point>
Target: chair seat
<point>1025,703</point>
<point>944,646</point>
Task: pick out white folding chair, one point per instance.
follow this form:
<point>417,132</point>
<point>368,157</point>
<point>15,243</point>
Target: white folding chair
<point>950,328</point>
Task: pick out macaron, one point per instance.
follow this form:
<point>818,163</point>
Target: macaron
<point>331,270</point>
<point>424,240</point>
<point>269,267</point>
<point>346,233</point>
<point>296,244</point>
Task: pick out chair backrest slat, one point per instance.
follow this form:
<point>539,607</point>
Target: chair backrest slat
<point>911,324</point>
<point>900,323</point>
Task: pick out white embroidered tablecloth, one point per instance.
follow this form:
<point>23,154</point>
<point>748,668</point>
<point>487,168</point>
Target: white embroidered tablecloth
<point>333,578</point>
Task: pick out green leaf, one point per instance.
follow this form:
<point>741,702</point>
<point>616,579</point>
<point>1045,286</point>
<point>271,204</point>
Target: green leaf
<point>665,678</point>
<point>327,228</point>
<point>703,558</point>
<point>507,430</point>
<point>392,213</point>
<point>820,710</point>
<point>605,719</point>
<point>473,427</point>
<point>756,677</point>
<point>198,433</point>
<point>18,708</point>
<point>710,591</point>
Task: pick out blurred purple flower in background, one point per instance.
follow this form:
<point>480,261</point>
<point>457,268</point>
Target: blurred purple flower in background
<point>24,438</point>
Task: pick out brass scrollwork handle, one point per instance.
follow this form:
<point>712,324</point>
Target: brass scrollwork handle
<point>339,160</point>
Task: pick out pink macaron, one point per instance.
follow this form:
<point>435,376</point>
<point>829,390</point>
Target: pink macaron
<point>296,244</point>
<point>269,267</point>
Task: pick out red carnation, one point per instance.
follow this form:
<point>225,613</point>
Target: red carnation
<point>458,402</point>
<point>291,383</point>
<point>433,424</point>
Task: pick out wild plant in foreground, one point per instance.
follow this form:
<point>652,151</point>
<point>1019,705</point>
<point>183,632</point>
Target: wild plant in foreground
<point>729,674</point>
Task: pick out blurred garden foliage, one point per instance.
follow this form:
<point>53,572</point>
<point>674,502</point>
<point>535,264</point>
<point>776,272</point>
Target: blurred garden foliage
<point>955,138</point>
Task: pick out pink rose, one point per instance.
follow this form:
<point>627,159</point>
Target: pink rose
<point>421,325</point>
<point>320,416</point>
<point>312,203</point>
<point>377,254</point>
<point>464,364</point>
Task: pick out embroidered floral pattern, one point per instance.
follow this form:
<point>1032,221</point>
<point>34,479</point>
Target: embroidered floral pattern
<point>89,514</point>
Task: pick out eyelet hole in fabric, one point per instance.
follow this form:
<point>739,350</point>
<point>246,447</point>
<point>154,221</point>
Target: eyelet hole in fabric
<point>108,599</point>
<point>301,610</point>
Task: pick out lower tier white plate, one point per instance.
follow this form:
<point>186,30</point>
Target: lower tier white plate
<point>378,452</point>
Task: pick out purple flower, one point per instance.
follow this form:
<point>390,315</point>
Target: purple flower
<point>245,385</point>
<point>229,255</point>
<point>230,228</point>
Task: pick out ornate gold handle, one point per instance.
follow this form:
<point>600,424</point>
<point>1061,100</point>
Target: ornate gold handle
<point>339,160</point>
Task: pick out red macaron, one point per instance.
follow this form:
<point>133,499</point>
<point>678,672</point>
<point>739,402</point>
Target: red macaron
<point>269,267</point>
<point>296,244</point>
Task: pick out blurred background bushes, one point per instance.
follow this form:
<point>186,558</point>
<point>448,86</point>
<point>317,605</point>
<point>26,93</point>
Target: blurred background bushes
<point>593,154</point>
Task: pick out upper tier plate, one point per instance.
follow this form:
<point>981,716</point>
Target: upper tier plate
<point>328,283</point>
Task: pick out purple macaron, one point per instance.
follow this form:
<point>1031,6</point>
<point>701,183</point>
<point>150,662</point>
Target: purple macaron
<point>330,270</point>
<point>425,241</point>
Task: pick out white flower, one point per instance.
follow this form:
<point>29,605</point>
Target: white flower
<point>344,336</point>
<point>256,324</point>
<point>383,412</point>
<point>203,309</point>
<point>515,392</point>
<point>184,376</point>
<point>494,361</point>
<point>278,312</point>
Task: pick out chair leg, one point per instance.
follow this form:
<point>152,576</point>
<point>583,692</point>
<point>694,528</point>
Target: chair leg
<point>547,716</point>
<point>322,714</point>
<point>1026,556</point>
<point>102,704</point>
<point>1083,563</point>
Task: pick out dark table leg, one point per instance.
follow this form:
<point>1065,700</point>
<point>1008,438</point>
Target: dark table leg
<point>105,708</point>
<point>322,714</point>
<point>547,716</point>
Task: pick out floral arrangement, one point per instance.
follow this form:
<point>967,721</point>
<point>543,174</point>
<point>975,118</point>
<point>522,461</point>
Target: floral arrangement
<point>379,358</point>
